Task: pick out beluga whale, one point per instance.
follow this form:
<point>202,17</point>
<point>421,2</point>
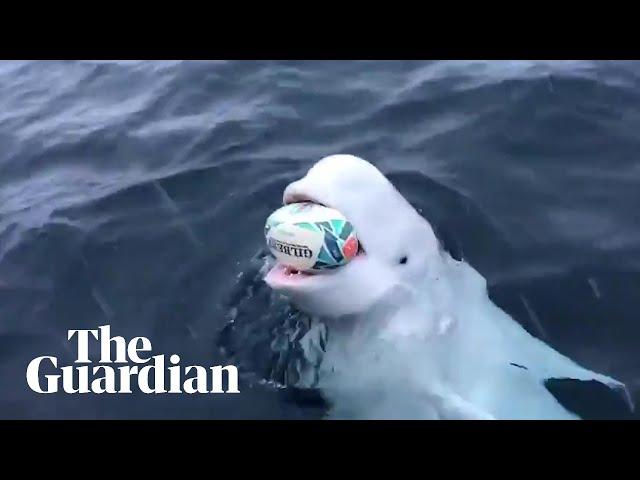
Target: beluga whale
<point>413,333</point>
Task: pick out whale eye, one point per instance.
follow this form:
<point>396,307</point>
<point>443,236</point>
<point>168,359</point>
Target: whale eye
<point>403,260</point>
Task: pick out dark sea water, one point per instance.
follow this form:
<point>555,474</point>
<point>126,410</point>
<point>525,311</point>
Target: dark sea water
<point>134,194</point>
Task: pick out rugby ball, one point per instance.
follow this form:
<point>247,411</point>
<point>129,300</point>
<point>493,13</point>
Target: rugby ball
<point>311,238</point>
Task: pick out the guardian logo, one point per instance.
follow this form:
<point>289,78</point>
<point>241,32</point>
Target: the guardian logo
<point>149,374</point>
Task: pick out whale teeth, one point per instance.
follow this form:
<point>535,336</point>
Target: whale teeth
<point>289,271</point>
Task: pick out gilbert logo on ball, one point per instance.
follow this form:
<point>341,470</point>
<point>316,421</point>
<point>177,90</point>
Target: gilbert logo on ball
<point>310,237</point>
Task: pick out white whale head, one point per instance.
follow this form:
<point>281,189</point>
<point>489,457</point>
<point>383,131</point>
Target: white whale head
<point>399,246</point>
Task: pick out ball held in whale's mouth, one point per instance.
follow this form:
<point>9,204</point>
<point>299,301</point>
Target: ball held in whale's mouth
<point>281,275</point>
<point>298,197</point>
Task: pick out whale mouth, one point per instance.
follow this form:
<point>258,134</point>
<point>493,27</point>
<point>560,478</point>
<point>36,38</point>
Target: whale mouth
<point>284,276</point>
<point>300,198</point>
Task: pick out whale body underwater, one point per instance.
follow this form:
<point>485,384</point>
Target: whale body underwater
<point>414,334</point>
